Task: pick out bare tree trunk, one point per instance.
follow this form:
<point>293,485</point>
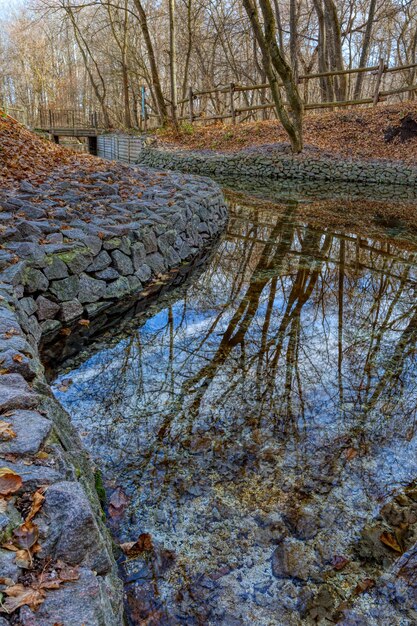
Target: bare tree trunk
<point>173,61</point>
<point>293,38</point>
<point>274,63</point>
<point>326,86</point>
<point>156,83</point>
<point>334,40</point>
<point>366,44</point>
<point>86,53</point>
<point>188,54</point>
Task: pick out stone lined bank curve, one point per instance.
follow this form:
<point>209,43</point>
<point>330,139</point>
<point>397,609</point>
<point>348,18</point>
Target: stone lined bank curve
<point>277,162</point>
<point>71,248</point>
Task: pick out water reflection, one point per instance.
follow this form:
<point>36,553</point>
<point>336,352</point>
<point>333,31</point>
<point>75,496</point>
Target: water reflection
<point>261,428</point>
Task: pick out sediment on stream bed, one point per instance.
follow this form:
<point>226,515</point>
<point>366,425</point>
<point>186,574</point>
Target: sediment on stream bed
<point>72,247</point>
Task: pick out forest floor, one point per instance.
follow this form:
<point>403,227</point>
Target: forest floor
<point>357,133</point>
<point>26,155</point>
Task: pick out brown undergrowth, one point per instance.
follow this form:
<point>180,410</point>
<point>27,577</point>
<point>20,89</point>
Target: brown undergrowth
<point>357,133</point>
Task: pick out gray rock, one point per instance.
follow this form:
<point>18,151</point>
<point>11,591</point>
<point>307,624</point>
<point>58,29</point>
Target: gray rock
<point>35,476</point>
<point>113,243</point>
<point>50,326</point>
<point>156,262</point>
<point>172,257</point>
<point>86,601</point>
<point>90,289</point>
<point>77,260</point>
<point>150,242</point>
<point>68,529</point>
<point>15,393</point>
<point>144,272</point>
<point>117,289</point>
<point>33,280</point>
<point>15,362</point>
<point>71,310</point>
<point>101,261</point>
<point>138,254</point>
<point>28,305</point>
<point>13,275</point>
<point>65,289</point>
<point>46,308</point>
<point>8,567</point>
<point>95,308</point>
<point>122,263</point>
<point>294,559</point>
<point>55,268</point>
<point>29,251</point>
<point>134,284</point>
<point>31,431</point>
<point>108,274</point>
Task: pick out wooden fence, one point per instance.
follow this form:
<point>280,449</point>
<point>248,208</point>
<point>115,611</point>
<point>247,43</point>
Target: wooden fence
<point>242,102</point>
<point>200,104</point>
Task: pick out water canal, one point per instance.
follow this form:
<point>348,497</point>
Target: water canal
<point>256,428</point>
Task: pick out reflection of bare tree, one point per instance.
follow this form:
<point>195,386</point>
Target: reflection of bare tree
<point>296,345</point>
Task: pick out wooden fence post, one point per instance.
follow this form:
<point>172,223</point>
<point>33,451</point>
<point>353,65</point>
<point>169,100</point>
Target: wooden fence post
<point>191,104</point>
<point>232,104</point>
<point>381,70</point>
<point>144,116</point>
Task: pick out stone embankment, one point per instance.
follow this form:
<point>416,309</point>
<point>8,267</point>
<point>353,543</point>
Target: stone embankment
<point>72,247</point>
<point>277,162</point>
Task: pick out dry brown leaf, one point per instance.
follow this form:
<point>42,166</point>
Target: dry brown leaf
<point>23,558</point>
<point>67,573</point>
<point>339,562</point>
<point>84,322</point>
<point>364,585</point>
<point>135,548</point>
<point>350,453</point>
<point>10,481</point>
<point>17,358</point>
<point>389,540</point>
<point>26,535</point>
<point>10,333</point>
<point>18,596</point>
<point>6,430</point>
<point>37,501</point>
<point>118,502</point>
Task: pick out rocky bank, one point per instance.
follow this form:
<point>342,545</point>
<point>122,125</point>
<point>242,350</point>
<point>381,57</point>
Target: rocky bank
<point>74,245</point>
<point>276,162</point>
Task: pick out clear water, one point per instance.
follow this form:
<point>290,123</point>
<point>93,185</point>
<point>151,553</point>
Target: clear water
<point>260,425</point>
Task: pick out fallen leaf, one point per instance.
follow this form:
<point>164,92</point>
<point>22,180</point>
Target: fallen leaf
<point>135,548</point>
<point>6,430</point>
<point>84,322</point>
<point>389,540</point>
<point>350,453</point>
<point>10,333</point>
<point>42,455</point>
<point>10,481</point>
<point>67,573</point>
<point>23,558</point>
<point>26,535</point>
<point>37,501</point>
<point>17,358</point>
<point>339,562</point>
<point>18,596</point>
<point>118,502</point>
<point>364,585</point>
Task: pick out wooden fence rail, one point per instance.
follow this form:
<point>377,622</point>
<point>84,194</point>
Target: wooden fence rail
<point>199,102</point>
<point>232,89</point>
